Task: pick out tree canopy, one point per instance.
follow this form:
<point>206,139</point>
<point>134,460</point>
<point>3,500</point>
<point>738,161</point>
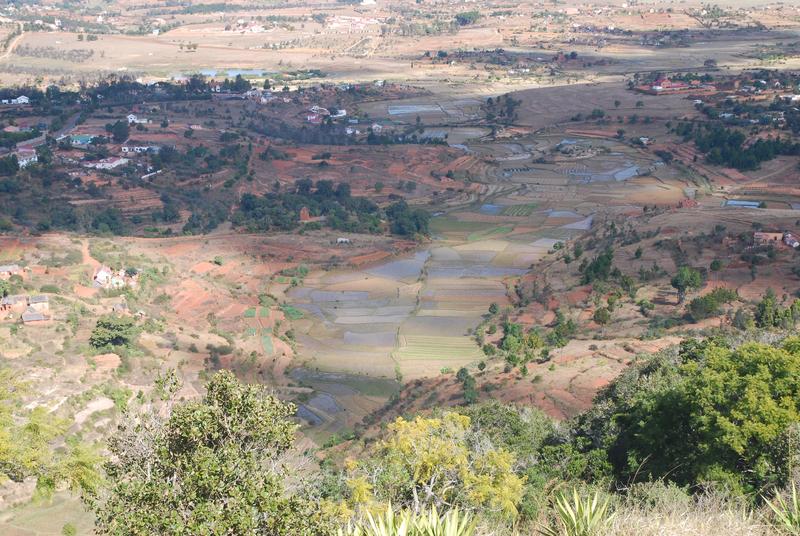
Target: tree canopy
<point>686,279</point>
<point>711,412</point>
<point>432,462</point>
<point>209,466</point>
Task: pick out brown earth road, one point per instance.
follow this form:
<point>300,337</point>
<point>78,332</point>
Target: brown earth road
<point>13,44</point>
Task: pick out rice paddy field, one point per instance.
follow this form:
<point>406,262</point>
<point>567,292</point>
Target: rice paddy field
<point>413,316</point>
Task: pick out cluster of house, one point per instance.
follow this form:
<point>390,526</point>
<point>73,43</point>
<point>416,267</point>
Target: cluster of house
<point>8,270</point>
<point>664,86</point>
<point>30,309</point>
<point>140,147</point>
<point>262,96</point>
<point>765,238</point>
<point>107,163</point>
<point>317,114</point>
<point>105,277</point>
<point>22,99</point>
<point>353,24</point>
<point>77,140</point>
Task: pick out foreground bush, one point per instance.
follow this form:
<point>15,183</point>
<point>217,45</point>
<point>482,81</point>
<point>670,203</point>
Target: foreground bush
<point>209,466</point>
<point>713,412</point>
<point>429,462</point>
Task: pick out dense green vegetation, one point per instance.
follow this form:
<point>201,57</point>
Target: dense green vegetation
<point>713,411</point>
<point>466,18</point>
<point>725,147</point>
<point>112,330</point>
<point>28,441</point>
<point>598,269</point>
<point>709,305</point>
<point>210,466</point>
<point>333,205</point>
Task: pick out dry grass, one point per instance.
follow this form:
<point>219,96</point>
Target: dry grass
<point>708,517</point>
<point>658,509</point>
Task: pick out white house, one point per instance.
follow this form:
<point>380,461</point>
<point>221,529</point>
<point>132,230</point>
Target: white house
<point>140,149</point>
<point>22,99</point>
<point>341,240</point>
<point>132,118</point>
<point>340,113</point>
<point>107,163</point>
<point>26,157</point>
<point>102,277</point>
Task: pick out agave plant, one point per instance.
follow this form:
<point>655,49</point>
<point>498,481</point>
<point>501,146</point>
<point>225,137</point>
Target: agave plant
<point>578,516</point>
<point>387,523</point>
<point>787,513</point>
<point>405,523</point>
<point>453,523</point>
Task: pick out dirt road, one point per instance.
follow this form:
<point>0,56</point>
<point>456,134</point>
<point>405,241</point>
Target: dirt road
<point>12,45</point>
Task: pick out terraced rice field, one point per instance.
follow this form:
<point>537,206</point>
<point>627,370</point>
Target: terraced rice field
<point>496,231</point>
<point>519,210</point>
<point>432,348</point>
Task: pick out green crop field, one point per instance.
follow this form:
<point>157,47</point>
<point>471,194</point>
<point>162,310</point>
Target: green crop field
<point>446,224</point>
<point>292,313</point>
<point>250,332</point>
<point>496,231</point>
<point>250,312</point>
<point>519,210</point>
<point>266,344</point>
<point>432,347</point>
<point>264,312</point>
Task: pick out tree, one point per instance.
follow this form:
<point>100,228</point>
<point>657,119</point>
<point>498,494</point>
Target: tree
<point>599,268</point>
<point>716,413</point>
<point>767,310</point>
<point>113,330</point>
<point>431,462</point>
<point>120,131</point>
<point>27,440</point>
<point>686,279</point>
<point>709,305</point>
<point>9,165</point>
<point>602,316</point>
<point>493,308</point>
<point>208,466</point>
